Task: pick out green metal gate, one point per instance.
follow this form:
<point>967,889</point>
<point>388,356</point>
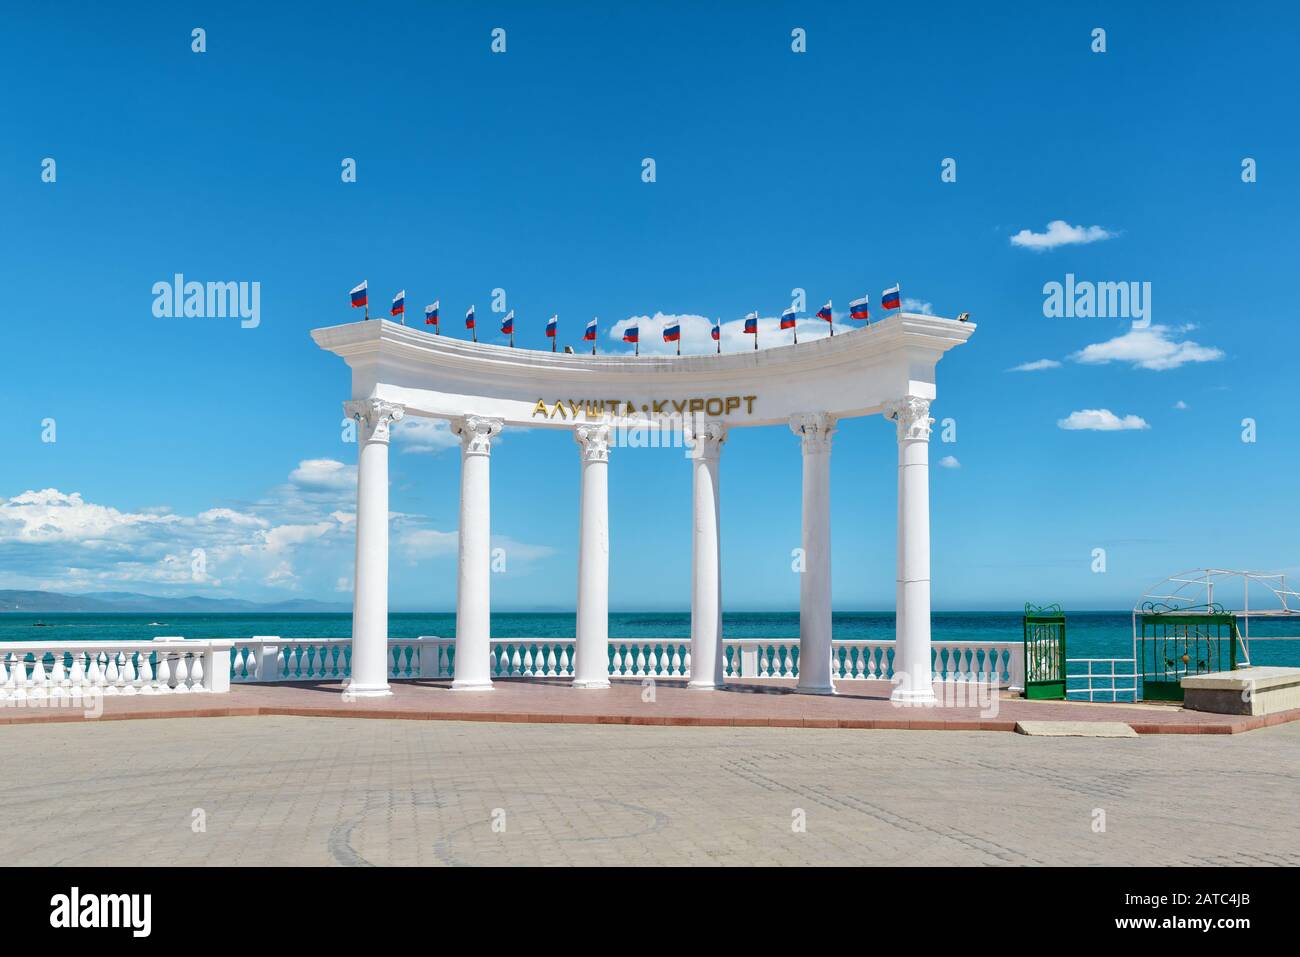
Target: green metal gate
<point>1176,642</point>
<point>1044,651</point>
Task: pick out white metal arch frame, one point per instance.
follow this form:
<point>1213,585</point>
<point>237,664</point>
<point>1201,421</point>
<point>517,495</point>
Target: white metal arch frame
<point>1231,589</point>
<point>887,368</point>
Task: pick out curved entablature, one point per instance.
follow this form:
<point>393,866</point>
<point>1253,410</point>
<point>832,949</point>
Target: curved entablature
<point>851,374</point>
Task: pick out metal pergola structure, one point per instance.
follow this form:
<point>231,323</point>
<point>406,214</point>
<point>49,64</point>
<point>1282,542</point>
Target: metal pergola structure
<point>1193,591</point>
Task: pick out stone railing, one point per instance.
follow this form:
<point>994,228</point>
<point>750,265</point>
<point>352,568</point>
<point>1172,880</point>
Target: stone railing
<point>432,657</point>
<point>177,665</point>
<point>65,670</point>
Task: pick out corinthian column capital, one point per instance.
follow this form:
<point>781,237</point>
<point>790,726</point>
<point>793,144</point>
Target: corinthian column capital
<point>375,417</point>
<point>703,437</point>
<point>912,416</point>
<point>814,430</point>
<point>476,432</point>
<point>593,440</point>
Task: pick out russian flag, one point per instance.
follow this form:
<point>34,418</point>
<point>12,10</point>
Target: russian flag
<point>673,333</point>
<point>787,318</point>
<point>431,315</point>
<point>359,295</point>
<point>751,323</point>
<point>860,308</point>
<point>399,304</point>
<point>469,318</point>
<point>552,324</point>
<point>508,323</point>
<point>717,330</point>
<point>631,334</point>
<point>590,334</point>
<point>825,311</point>
<point>890,299</point>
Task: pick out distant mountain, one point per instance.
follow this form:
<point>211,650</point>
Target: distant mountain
<point>40,602</point>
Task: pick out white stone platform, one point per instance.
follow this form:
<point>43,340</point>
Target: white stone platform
<point>1253,691</point>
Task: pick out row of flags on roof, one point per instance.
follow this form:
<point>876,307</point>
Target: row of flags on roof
<point>859,309</point>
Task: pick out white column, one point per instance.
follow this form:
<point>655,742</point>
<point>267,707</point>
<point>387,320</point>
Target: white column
<point>912,667</point>
<point>473,668</point>
<point>815,431</point>
<point>704,439</point>
<point>370,579</point>
<point>591,652</point>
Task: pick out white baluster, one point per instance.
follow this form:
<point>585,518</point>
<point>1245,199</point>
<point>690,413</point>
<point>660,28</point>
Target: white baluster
<point>112,674</point>
<point>54,680</point>
<point>564,660</point>
<point>145,671</point>
<point>180,674</point>
<point>17,677</point>
<point>196,672</point>
<point>516,662</point>
<point>163,684</point>
<point>640,661</point>
<point>130,684</point>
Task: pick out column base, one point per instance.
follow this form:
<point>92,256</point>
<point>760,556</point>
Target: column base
<point>459,685</point>
<point>827,690</point>
<point>913,697</point>
<point>368,691</point>
<point>596,683</point>
<point>704,686</point>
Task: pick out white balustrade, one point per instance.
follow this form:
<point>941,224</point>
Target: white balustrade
<point>68,670</point>
<point>58,670</point>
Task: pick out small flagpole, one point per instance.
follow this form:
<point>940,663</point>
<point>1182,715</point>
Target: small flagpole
<point>679,341</point>
<point>795,330</point>
<point>595,333</point>
<point>755,330</point>
<point>555,338</point>
<point>512,335</point>
<point>719,338</point>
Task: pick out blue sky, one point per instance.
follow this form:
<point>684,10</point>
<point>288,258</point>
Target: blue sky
<point>522,170</point>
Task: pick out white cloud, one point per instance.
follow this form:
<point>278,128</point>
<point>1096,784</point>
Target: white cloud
<point>1101,420</point>
<point>420,543</point>
<point>949,462</point>
<point>696,331</point>
<point>1059,233</point>
<point>1180,405</point>
<point>1149,348</point>
<point>53,516</point>
<point>418,435</point>
<point>300,536</point>
<point>1036,365</point>
<point>918,305</point>
<point>324,475</point>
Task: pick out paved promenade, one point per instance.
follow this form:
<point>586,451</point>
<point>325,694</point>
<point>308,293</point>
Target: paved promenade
<point>323,791</point>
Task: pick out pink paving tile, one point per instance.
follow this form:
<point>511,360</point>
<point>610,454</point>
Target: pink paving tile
<point>859,705</point>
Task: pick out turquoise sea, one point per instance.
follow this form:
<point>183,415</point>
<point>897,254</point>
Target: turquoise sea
<point>1089,634</point>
